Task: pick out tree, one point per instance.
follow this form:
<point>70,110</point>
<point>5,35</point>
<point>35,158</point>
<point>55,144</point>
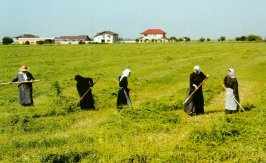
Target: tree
<point>180,39</point>
<point>27,43</point>
<point>243,38</point>
<point>173,39</point>
<point>7,40</point>
<point>137,40</point>
<point>201,39</point>
<point>254,38</point>
<point>222,38</point>
<point>208,39</point>
<point>187,39</point>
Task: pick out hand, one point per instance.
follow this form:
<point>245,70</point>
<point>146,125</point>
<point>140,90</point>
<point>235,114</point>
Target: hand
<point>9,82</point>
<point>195,86</point>
<point>207,76</point>
<point>224,86</point>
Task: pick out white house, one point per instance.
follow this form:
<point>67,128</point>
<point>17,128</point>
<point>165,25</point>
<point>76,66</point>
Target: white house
<point>153,35</point>
<point>106,37</point>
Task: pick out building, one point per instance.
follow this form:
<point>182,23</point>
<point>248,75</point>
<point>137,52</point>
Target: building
<point>31,39</point>
<point>153,35</point>
<point>106,37</point>
<point>72,39</point>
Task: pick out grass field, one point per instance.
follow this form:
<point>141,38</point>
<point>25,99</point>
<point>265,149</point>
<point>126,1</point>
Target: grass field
<point>155,128</point>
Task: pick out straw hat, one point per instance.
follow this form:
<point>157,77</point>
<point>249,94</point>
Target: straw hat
<point>24,68</point>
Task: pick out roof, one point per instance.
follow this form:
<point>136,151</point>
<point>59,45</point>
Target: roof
<point>153,31</point>
<point>27,36</point>
<point>105,32</point>
<point>80,37</point>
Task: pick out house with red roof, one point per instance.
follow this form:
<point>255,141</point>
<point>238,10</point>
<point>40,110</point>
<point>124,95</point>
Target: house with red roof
<point>153,35</point>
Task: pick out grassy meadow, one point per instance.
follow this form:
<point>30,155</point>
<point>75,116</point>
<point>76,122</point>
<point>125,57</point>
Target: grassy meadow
<point>155,128</point>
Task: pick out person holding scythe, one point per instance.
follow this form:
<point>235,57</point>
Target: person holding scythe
<point>232,96</point>
<point>195,101</point>
<point>84,86</point>
<point>25,86</point>
<point>123,92</point>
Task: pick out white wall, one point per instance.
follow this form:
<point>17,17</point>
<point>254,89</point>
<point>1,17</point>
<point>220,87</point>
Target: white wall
<point>152,36</point>
<point>106,38</point>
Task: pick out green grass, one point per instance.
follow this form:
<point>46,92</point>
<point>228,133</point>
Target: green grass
<point>155,128</point>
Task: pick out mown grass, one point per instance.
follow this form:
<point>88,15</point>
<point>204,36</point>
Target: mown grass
<point>155,128</point>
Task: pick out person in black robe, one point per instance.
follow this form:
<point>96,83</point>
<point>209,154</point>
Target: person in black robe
<point>84,85</point>
<point>195,104</point>
<point>231,86</point>
<point>123,92</point>
<point>24,88</point>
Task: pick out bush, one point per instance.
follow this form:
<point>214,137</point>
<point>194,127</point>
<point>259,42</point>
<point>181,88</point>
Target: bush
<point>40,42</point>
<point>7,40</point>
<point>81,42</point>
<point>48,41</point>
<point>27,43</point>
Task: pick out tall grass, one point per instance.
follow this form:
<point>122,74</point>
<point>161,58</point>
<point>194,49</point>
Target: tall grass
<point>155,128</point>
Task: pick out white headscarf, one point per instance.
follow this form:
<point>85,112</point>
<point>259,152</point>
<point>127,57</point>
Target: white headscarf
<point>197,68</point>
<point>232,72</point>
<point>125,73</point>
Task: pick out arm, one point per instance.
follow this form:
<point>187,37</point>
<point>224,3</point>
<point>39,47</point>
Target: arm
<point>191,83</point>
<point>224,83</point>
<point>235,88</point>
<point>15,79</point>
<point>30,76</point>
<point>90,82</point>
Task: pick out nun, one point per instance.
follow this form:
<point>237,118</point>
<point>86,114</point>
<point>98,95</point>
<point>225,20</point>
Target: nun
<point>25,79</point>
<point>84,86</point>
<point>197,99</point>
<point>231,86</point>
<point>123,92</point>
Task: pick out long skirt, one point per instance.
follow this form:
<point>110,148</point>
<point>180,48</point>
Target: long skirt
<point>198,101</point>
<point>87,102</point>
<point>123,98</point>
<point>25,95</point>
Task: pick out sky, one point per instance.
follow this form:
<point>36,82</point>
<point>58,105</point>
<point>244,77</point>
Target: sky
<point>128,18</point>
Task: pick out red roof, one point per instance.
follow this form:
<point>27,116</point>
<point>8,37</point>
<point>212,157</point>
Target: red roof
<point>153,31</point>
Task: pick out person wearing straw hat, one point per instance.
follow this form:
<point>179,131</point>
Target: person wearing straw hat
<point>231,86</point>
<point>196,78</point>
<point>84,86</point>
<point>24,88</point>
<point>123,93</point>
